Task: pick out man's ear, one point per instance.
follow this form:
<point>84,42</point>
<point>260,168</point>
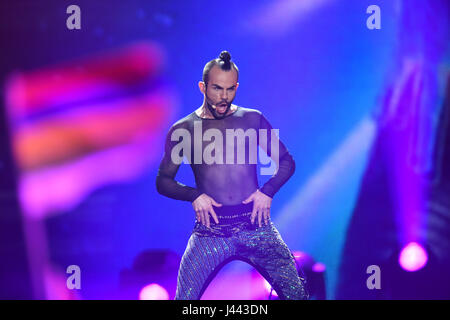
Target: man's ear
<point>202,86</point>
<point>237,85</point>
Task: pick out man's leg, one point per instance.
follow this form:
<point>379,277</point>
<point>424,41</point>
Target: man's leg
<point>268,253</point>
<point>202,259</point>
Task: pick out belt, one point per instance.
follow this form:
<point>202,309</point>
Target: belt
<point>234,213</point>
<point>232,219</point>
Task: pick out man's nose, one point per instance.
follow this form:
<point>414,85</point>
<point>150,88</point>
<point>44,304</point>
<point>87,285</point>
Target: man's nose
<point>224,95</point>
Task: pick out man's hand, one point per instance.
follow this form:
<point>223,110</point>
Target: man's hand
<point>203,208</point>
<point>261,206</point>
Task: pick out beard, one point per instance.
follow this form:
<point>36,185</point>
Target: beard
<point>214,112</point>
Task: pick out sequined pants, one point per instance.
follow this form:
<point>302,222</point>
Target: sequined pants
<point>262,248</point>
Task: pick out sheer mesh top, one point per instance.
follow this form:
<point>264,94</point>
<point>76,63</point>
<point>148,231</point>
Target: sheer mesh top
<point>232,176</point>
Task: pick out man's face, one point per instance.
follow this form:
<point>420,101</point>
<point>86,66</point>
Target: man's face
<point>221,90</point>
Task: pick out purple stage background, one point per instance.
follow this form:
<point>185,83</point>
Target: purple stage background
<point>84,114</point>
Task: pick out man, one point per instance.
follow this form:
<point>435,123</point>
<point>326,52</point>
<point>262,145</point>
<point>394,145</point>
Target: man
<point>232,212</point>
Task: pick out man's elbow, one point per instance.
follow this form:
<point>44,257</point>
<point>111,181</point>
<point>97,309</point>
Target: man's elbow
<point>160,185</point>
<point>288,163</point>
<point>292,165</point>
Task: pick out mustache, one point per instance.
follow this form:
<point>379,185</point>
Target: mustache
<point>220,103</point>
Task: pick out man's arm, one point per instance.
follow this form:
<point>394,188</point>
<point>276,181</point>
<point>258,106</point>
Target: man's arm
<point>262,198</point>
<point>286,165</point>
<point>165,179</point>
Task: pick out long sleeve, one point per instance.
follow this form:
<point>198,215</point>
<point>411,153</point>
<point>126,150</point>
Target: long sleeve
<point>286,166</point>
<point>165,179</point>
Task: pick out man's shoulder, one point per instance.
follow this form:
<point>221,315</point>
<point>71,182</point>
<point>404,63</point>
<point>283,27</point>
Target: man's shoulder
<point>184,122</point>
<point>250,111</point>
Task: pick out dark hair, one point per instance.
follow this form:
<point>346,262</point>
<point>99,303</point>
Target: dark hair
<point>223,61</point>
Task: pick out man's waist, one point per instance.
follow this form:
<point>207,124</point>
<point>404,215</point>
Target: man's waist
<point>228,212</point>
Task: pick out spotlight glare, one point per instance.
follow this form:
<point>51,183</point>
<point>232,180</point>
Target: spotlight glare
<point>412,257</point>
<point>153,292</point>
<point>318,267</point>
<point>269,287</point>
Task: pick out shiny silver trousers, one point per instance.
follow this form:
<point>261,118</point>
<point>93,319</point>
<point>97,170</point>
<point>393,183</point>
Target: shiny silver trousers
<point>263,248</point>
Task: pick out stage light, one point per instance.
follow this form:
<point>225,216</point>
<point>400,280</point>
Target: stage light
<point>412,257</point>
<point>153,276</point>
<point>269,288</point>
<point>313,272</point>
<point>153,292</point>
<point>318,267</point>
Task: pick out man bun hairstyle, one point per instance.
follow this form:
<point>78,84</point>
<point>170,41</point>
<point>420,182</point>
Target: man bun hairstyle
<point>223,61</point>
<point>225,58</point>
